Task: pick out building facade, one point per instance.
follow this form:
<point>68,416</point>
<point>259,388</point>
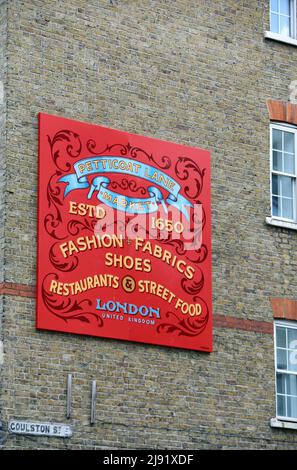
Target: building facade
<point>216,75</point>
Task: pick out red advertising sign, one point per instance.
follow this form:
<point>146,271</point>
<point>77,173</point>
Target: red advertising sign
<point>124,236</point>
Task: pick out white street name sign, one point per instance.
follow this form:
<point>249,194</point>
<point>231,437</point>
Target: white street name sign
<point>39,429</point>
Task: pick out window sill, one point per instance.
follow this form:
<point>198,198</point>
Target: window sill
<point>281,223</point>
<point>275,423</point>
<point>280,38</point>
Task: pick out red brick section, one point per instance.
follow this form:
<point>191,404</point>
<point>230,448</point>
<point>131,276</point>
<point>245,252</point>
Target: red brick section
<point>221,321</point>
<point>19,290</point>
<point>282,111</point>
<point>284,308</point>
<point>236,323</point>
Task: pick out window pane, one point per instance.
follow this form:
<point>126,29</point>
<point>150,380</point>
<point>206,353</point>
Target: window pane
<point>281,337</point>
<point>289,163</point>
<point>292,407</point>
<point>281,359</point>
<point>284,26</point>
<point>285,7</point>
<point>277,161</point>
<point>288,142</point>
<point>292,344</point>
<point>281,406</point>
<point>276,185</point>
<point>287,208</point>
<point>280,383</point>
<point>274,5</point>
<point>286,186</point>
<point>276,206</point>
<point>292,336</point>
<point>274,23</point>
<point>292,359</point>
<point>276,139</point>
<point>291,385</point>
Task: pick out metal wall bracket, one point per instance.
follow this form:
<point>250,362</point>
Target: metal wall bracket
<point>93,402</point>
<point>69,396</point>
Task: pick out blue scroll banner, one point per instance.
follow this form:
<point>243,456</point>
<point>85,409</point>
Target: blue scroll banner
<point>106,164</point>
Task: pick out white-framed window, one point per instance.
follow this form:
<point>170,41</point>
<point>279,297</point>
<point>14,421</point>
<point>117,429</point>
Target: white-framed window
<point>285,335</point>
<point>283,18</point>
<point>283,149</point>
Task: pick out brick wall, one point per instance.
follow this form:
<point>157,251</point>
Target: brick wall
<point>197,73</point>
<point>3,22</point>
<point>3,11</point>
